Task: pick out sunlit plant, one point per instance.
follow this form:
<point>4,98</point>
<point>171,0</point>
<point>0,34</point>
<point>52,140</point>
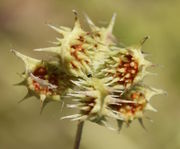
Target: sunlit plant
<point>103,80</point>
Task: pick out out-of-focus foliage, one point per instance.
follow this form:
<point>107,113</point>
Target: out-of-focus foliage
<point>23,26</point>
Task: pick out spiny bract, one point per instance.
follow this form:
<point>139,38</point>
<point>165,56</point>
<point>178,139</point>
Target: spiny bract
<point>103,79</point>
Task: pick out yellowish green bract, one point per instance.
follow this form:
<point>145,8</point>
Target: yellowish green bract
<point>104,81</point>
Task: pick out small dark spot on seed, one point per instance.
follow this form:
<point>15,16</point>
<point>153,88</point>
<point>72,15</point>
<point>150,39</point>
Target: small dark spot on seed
<point>89,75</point>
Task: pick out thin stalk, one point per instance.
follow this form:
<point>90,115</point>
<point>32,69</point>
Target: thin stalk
<point>78,134</point>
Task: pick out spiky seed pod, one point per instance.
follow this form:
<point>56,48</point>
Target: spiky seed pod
<point>43,79</point>
<point>89,97</point>
<point>74,49</point>
<point>132,103</point>
<point>104,39</point>
<point>126,65</point>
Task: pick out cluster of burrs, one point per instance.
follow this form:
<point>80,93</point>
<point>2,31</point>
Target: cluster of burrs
<point>102,80</point>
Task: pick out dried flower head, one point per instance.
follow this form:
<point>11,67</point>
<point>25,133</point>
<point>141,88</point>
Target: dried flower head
<point>43,79</point>
<point>104,80</point>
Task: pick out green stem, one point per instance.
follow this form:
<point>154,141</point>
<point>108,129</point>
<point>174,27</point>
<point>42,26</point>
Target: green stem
<point>78,135</point>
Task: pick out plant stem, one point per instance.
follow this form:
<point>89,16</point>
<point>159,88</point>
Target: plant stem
<point>78,134</point>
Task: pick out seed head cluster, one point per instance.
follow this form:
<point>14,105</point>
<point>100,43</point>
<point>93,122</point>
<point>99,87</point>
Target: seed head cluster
<point>103,80</point>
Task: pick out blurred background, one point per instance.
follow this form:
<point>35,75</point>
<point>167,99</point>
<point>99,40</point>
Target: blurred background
<point>23,26</point>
